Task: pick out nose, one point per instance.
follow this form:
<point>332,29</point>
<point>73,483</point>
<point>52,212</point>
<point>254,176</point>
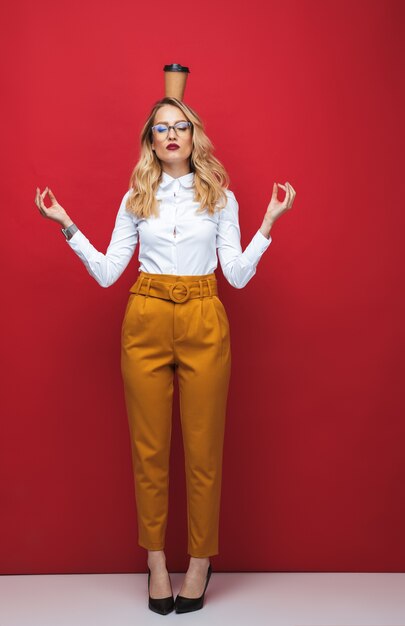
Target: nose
<point>172,132</point>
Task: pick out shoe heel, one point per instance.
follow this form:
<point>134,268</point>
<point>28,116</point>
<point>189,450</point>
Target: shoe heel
<point>160,605</point>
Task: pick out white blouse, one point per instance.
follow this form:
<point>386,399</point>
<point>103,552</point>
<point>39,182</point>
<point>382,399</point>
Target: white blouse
<point>178,242</point>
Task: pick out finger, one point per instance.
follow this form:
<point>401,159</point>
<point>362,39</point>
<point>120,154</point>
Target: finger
<point>36,200</point>
<point>287,195</point>
<point>41,202</point>
<point>293,193</point>
<point>43,194</point>
<point>290,196</point>
<point>51,195</point>
<point>274,194</point>
<point>292,189</point>
<point>39,207</point>
<point>286,192</point>
<point>283,187</point>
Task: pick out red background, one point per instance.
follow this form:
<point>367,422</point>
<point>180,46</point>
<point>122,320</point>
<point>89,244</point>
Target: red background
<point>304,91</point>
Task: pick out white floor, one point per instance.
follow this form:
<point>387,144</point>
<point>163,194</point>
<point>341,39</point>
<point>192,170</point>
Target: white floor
<point>253,599</point>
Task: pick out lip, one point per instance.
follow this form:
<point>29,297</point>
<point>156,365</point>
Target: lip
<point>172,146</point>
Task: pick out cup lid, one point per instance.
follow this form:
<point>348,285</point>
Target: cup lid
<point>175,67</point>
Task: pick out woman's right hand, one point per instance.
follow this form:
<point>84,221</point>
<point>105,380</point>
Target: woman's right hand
<point>55,212</point>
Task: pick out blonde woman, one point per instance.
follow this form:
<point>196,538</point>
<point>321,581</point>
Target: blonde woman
<point>178,206</point>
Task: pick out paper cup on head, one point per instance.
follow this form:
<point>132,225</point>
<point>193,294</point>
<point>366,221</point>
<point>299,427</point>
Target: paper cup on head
<point>175,80</point>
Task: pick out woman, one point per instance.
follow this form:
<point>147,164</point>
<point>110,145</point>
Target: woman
<point>180,209</point>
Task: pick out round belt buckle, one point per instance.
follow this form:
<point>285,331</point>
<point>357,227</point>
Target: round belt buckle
<point>182,298</point>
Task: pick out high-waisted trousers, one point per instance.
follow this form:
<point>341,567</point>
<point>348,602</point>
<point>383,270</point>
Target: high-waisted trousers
<point>176,324</point>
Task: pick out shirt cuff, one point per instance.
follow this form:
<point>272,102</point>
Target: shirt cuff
<point>256,248</point>
<point>262,240</point>
<point>76,239</point>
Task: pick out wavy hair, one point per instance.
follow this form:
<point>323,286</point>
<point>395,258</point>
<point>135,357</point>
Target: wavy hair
<point>210,176</point>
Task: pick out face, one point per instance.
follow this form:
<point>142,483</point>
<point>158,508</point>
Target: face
<point>170,115</point>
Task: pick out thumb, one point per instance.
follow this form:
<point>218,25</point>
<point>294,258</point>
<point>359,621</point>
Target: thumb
<point>275,189</point>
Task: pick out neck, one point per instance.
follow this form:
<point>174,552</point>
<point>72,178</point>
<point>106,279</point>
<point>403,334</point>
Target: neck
<point>176,170</point>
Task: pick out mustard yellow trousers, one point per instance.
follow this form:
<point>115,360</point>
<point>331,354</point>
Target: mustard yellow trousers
<point>176,324</point>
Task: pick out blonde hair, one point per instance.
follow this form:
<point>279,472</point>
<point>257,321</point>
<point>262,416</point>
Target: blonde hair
<point>210,176</point>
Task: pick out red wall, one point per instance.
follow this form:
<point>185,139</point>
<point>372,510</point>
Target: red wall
<point>304,91</point>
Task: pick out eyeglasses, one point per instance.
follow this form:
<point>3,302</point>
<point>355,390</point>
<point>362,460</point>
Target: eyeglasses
<point>161,131</point>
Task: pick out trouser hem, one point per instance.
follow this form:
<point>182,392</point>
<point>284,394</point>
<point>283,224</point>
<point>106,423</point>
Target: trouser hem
<point>151,546</point>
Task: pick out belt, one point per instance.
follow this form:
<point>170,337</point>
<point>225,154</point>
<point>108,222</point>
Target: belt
<point>178,291</point>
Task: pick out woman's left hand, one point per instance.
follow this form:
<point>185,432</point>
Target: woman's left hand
<point>277,208</point>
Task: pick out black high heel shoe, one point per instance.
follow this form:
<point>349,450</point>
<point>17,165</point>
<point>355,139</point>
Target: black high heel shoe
<point>160,605</point>
<point>182,604</point>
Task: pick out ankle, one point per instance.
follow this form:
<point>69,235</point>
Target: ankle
<point>196,561</point>
<point>156,558</point>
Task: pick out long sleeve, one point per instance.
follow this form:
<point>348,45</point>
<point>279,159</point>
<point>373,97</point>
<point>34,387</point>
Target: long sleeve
<point>107,268</point>
<point>238,267</point>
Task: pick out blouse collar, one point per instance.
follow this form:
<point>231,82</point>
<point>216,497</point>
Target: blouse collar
<point>187,180</point>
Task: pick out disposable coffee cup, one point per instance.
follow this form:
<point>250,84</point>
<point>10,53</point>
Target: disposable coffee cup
<point>175,80</point>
